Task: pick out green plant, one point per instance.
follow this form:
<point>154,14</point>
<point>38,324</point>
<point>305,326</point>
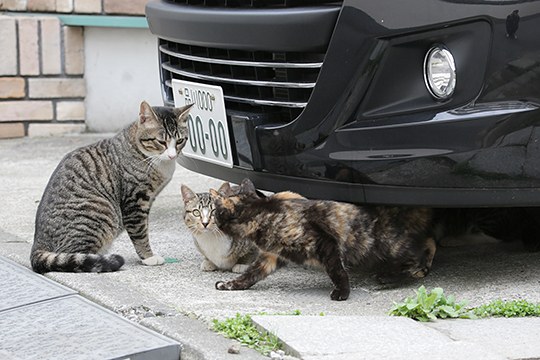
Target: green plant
<point>242,329</point>
<point>426,306</point>
<point>513,308</point>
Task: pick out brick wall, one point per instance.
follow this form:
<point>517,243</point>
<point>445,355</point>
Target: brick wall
<point>42,86</point>
<point>104,7</point>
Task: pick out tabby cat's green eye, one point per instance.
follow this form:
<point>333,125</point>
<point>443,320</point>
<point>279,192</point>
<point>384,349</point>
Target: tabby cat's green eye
<point>180,142</point>
<point>196,212</point>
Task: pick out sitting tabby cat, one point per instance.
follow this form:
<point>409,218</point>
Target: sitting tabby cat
<point>100,189</point>
<point>395,242</point>
<point>219,250</point>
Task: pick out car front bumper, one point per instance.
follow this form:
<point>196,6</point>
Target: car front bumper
<point>370,131</point>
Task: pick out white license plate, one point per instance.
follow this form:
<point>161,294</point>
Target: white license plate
<point>208,130</point>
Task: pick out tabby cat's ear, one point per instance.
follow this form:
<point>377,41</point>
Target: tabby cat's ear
<point>182,114</point>
<point>187,193</point>
<point>226,190</point>
<point>146,114</point>
<point>247,187</point>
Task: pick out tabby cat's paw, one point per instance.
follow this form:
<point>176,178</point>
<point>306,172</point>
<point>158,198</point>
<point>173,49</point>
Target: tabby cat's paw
<point>207,265</point>
<point>239,268</point>
<point>153,260</point>
<point>339,294</point>
<point>224,285</point>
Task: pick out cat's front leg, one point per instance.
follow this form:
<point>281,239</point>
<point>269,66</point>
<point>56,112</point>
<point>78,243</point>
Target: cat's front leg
<point>207,265</point>
<point>263,266</point>
<point>340,278</point>
<point>136,225</point>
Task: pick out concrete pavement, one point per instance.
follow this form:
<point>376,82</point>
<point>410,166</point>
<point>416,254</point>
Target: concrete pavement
<point>180,301</point>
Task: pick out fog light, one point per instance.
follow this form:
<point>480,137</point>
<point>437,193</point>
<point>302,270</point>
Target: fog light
<point>440,72</point>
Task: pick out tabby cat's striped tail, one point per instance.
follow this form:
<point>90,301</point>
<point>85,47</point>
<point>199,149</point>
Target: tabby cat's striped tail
<point>44,261</point>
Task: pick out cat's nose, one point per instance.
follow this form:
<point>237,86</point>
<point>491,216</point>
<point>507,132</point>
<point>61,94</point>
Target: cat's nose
<point>171,152</point>
<point>205,224</point>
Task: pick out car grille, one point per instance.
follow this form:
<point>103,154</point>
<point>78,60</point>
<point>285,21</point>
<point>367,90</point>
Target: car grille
<point>254,3</point>
<point>275,84</point>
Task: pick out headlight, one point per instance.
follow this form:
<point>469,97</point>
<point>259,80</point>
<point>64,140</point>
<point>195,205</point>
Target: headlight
<point>440,72</point>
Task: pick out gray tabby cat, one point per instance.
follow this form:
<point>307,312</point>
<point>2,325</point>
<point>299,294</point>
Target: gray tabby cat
<point>219,250</point>
<point>98,190</point>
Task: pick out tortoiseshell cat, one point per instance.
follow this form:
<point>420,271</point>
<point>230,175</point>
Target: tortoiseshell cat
<point>219,250</point>
<point>392,241</point>
<point>98,190</point>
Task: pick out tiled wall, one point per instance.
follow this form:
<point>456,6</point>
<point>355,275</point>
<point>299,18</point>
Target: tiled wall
<point>42,86</point>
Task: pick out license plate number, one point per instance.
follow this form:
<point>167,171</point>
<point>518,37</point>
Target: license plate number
<point>208,130</point>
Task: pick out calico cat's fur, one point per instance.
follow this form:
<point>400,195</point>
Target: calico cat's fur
<point>98,190</point>
<point>219,250</point>
<point>392,241</point>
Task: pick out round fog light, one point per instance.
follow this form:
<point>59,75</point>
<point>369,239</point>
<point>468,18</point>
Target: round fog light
<point>440,72</point>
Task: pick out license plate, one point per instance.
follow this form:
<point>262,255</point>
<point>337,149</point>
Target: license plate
<point>208,130</point>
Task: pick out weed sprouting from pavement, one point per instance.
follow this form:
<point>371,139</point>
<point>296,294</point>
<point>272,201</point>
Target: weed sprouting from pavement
<point>427,306</point>
<point>242,329</point>
<point>511,308</point>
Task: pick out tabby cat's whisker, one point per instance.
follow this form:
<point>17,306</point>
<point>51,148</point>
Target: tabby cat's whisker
<point>218,231</point>
<point>153,160</point>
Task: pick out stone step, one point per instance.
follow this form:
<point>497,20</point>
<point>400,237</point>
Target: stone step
<point>40,319</point>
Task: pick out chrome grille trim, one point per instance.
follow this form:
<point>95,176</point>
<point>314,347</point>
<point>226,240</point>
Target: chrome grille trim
<point>291,65</point>
<point>272,87</point>
<point>293,85</point>
<point>287,104</point>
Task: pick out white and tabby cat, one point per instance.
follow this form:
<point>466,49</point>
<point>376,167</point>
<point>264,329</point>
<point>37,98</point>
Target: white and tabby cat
<point>98,190</point>
<point>220,251</point>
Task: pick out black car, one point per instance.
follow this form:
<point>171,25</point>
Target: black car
<point>417,102</point>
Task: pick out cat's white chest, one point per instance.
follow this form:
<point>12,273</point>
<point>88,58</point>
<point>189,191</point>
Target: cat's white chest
<point>167,168</point>
<point>216,248</point>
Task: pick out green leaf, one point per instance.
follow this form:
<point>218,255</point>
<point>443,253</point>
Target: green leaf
<point>430,301</point>
<point>421,295</point>
<point>438,292</point>
<point>429,305</point>
<point>449,310</point>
